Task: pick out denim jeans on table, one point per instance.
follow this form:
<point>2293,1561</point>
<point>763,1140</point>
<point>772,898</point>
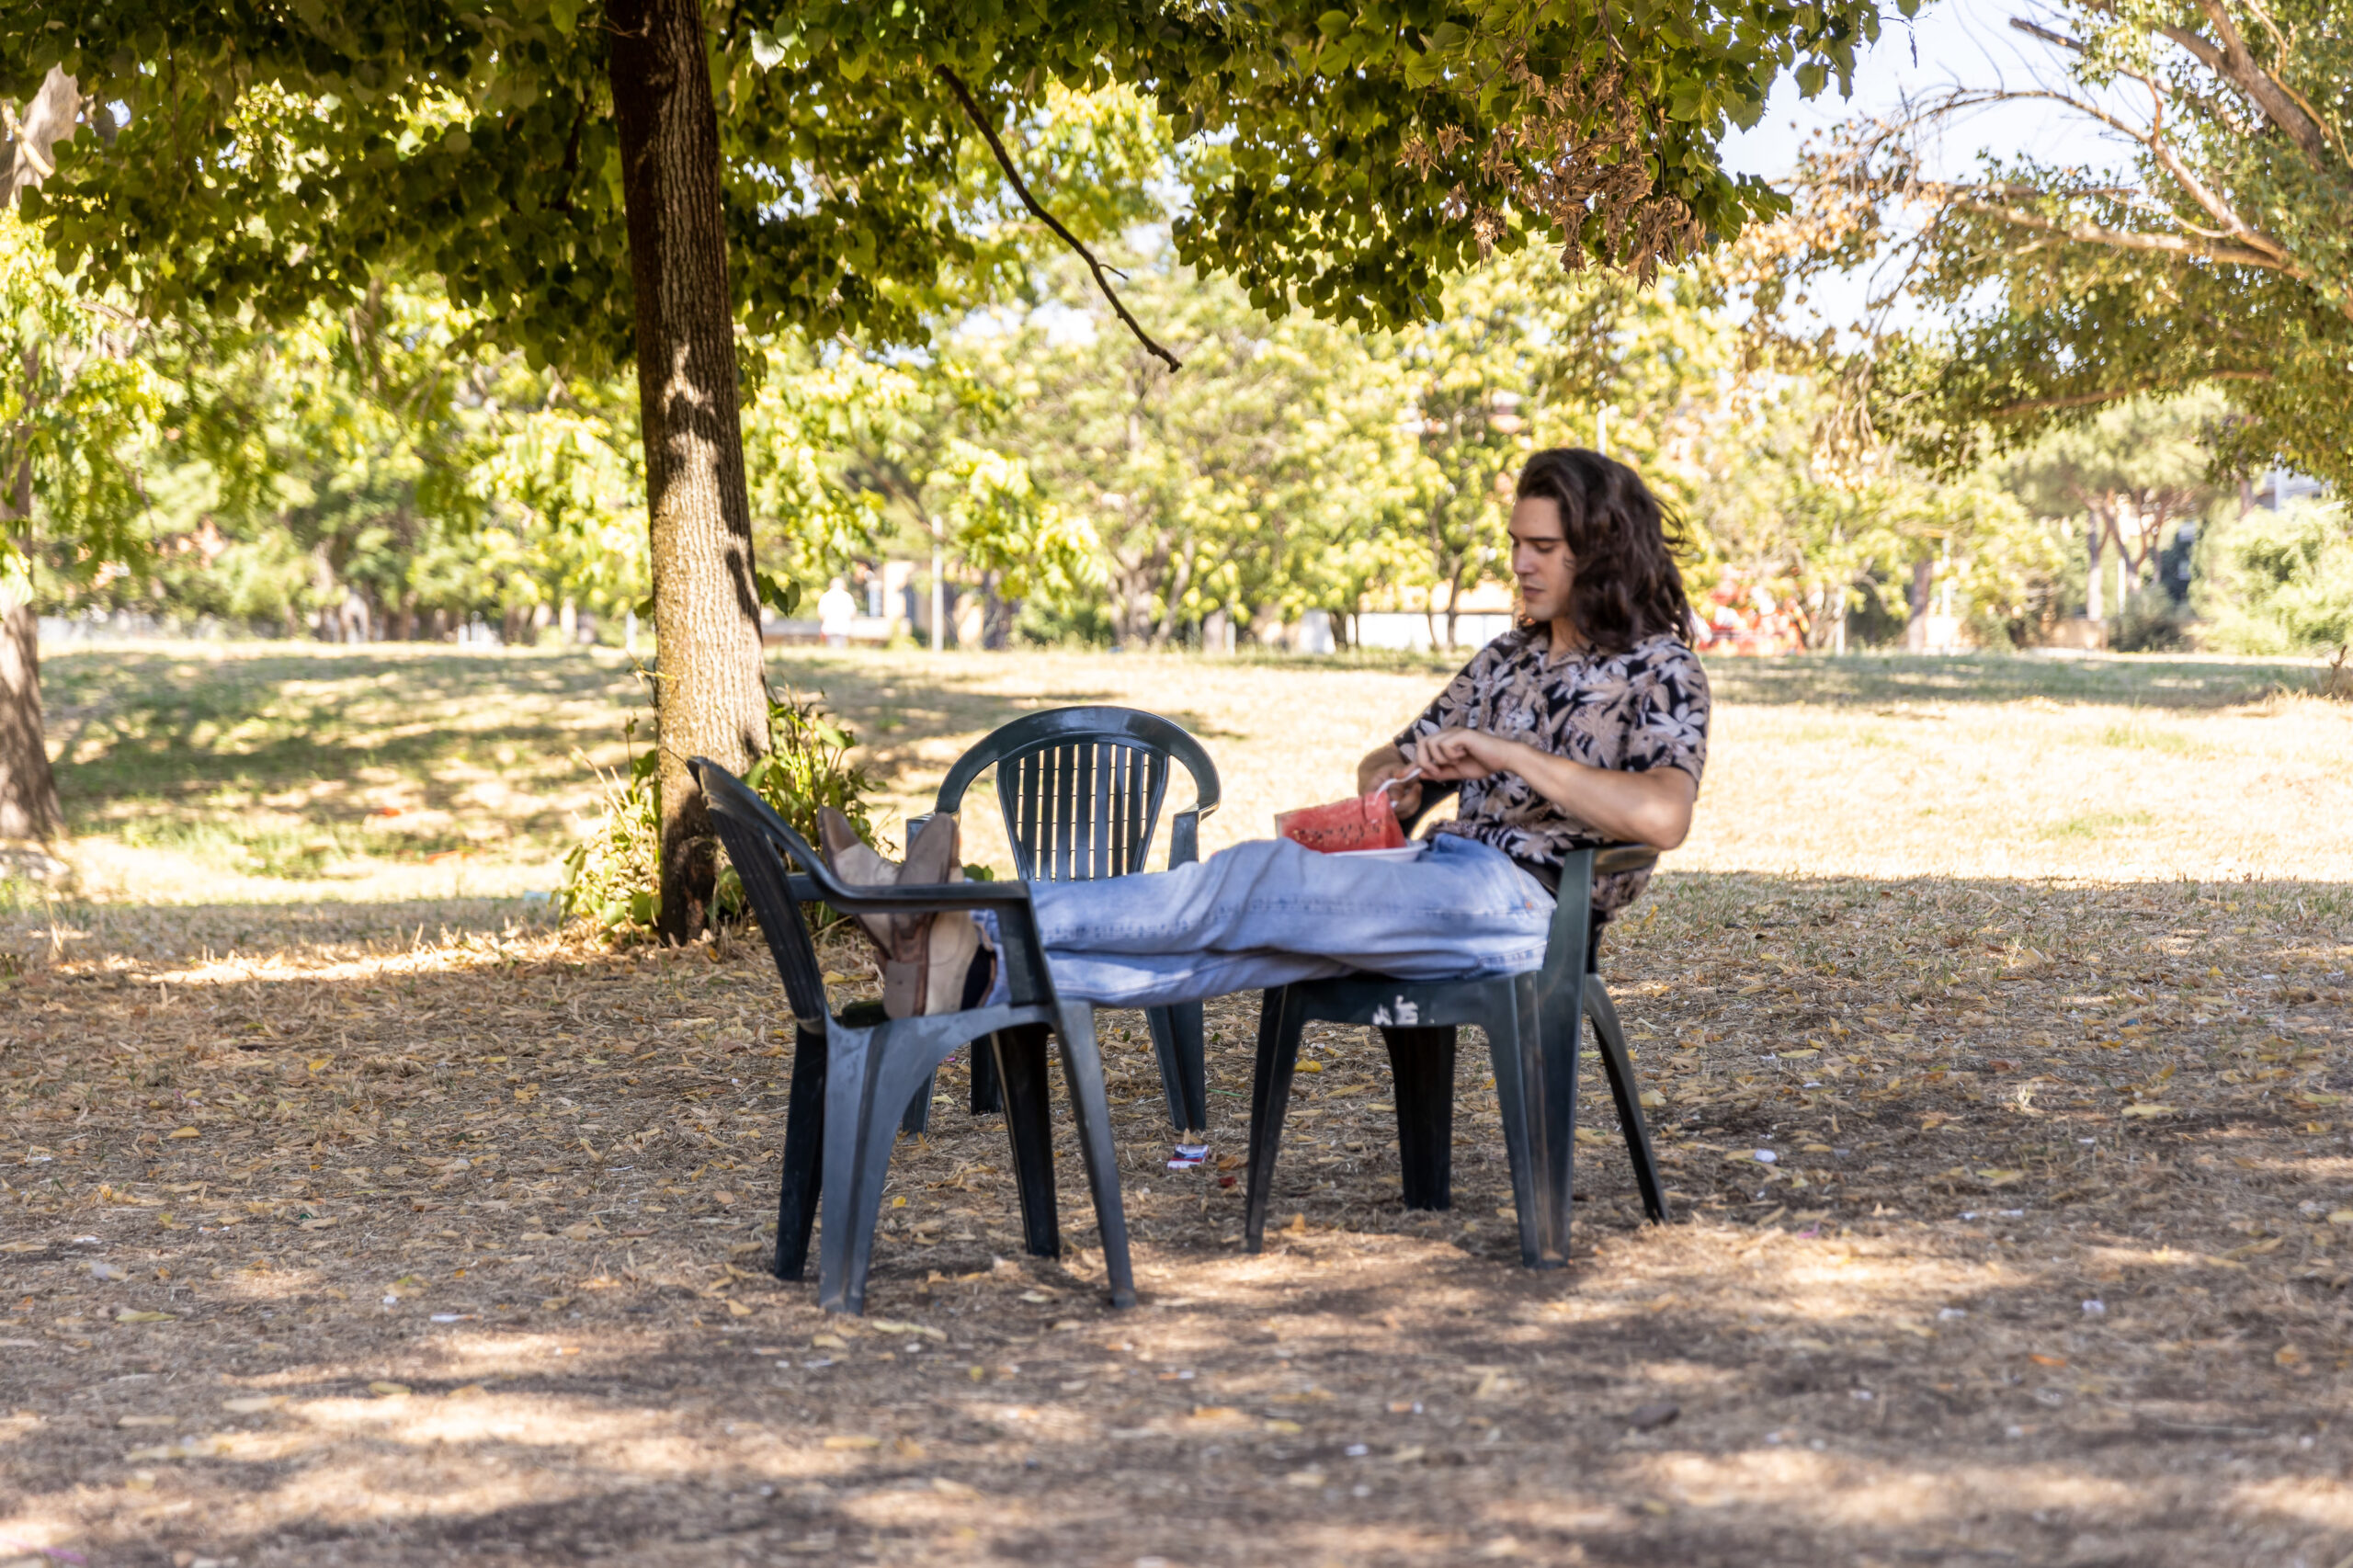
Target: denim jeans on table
<point>1270,913</point>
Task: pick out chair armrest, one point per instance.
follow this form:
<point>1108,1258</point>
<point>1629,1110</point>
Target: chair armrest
<point>855,898</point>
<point>1609,860</point>
<point>1185,836</point>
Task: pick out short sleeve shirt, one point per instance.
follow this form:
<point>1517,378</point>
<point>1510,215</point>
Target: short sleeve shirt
<point>1643,709</point>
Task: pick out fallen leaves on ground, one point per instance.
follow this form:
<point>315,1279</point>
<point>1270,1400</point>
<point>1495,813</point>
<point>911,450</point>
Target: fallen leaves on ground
<point>479,1251</point>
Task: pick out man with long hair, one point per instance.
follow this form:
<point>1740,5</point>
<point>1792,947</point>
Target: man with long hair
<point>1587,724</point>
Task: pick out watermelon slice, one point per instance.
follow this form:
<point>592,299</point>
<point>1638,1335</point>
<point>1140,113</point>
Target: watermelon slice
<point>1362,821</point>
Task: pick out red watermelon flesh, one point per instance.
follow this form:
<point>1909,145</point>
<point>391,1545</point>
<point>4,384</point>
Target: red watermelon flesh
<point>1362,821</point>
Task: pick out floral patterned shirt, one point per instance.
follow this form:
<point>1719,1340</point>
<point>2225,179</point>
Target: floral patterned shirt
<point>1643,709</point>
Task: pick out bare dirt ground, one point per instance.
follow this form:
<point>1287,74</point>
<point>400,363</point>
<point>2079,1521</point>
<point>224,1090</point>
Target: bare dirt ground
<point>383,1233</point>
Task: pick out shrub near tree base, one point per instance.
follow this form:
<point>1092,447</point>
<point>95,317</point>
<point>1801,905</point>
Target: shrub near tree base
<point>613,877</point>
<point>2149,623</point>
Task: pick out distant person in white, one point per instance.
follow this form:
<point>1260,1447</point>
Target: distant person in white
<point>835,610</point>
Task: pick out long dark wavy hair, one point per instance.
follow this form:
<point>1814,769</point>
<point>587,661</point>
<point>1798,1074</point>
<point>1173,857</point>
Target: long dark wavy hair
<point>1627,588</point>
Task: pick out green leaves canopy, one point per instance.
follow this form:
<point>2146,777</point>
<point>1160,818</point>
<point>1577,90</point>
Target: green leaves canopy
<point>74,397</point>
<point>282,153</point>
<point>2222,257</point>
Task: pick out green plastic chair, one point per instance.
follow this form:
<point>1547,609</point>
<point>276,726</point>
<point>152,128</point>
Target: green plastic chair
<point>1532,1022</point>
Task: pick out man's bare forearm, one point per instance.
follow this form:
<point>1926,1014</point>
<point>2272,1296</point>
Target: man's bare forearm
<point>1651,808</point>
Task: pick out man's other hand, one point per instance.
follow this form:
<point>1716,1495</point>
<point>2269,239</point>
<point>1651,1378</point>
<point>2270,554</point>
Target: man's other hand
<point>1381,764</point>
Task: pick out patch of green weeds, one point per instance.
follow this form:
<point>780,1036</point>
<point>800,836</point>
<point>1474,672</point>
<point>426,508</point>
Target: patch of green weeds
<point>291,851</point>
<point>2135,734</point>
<point>2098,825</point>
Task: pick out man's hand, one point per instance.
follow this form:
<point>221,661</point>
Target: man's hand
<point>1457,754</point>
<point>1381,764</point>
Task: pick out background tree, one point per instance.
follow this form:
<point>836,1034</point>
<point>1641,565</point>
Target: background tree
<point>2132,474</point>
<point>1473,382</point>
<point>74,399</point>
<point>2279,581</point>
<point>2215,251</point>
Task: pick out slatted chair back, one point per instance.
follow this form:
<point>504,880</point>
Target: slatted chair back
<point>1082,787</point>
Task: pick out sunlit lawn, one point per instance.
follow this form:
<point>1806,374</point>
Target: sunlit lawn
<point>256,771</point>
<point>280,772</point>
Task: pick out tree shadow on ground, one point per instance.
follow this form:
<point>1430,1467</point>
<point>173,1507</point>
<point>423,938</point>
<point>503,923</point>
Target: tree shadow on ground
<point>426,749</point>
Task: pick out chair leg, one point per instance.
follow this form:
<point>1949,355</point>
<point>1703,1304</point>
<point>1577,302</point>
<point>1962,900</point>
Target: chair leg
<point>1020,1056</point>
<point>915,1120</point>
<point>1535,1092</point>
<point>868,1086</point>
<point>988,1095</point>
<point>1421,1070</point>
<point>1626,1089</point>
<point>1192,1059</point>
<point>1281,1022</point>
<point>1091,1109</point>
<point>1178,1041</point>
<point>804,1142</point>
<point>851,1203</point>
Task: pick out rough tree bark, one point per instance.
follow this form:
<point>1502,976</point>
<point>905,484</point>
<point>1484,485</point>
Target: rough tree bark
<point>29,807</point>
<point>1916,628</point>
<point>711,696</point>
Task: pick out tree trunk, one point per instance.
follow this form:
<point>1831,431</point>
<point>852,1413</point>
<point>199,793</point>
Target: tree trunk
<point>27,789</point>
<point>2094,536</point>
<point>997,616</point>
<point>711,694</point>
<point>1915,631</point>
<point>1173,601</point>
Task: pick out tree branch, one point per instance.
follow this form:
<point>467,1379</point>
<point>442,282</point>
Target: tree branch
<point>2114,394</point>
<point>2036,29</point>
<point>2160,151</point>
<point>2238,66</point>
<point>2170,161</point>
<point>2128,239</point>
<point>572,156</point>
<point>1005,162</point>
